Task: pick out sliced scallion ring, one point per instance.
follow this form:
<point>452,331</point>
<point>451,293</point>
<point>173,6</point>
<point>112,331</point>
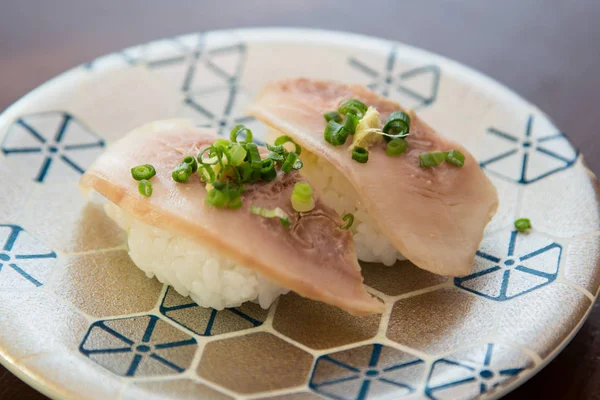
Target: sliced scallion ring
<point>144,171</point>
<point>145,188</point>
<point>360,154</point>
<point>349,220</point>
<point>281,140</point>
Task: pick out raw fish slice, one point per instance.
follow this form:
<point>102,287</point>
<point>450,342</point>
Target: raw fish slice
<point>313,257</point>
<point>434,216</point>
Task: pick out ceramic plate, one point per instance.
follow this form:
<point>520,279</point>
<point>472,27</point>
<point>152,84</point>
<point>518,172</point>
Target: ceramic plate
<point>79,320</point>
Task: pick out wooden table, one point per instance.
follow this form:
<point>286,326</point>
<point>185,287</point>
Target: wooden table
<point>546,50</point>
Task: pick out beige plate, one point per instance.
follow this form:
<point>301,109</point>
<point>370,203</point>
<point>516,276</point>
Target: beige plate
<point>78,320</point>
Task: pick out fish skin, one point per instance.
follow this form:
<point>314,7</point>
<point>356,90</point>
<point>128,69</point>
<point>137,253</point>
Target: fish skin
<point>318,263</point>
<point>434,216</point>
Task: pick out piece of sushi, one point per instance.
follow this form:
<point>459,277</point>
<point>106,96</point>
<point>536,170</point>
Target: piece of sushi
<point>222,257</point>
<point>434,216</point>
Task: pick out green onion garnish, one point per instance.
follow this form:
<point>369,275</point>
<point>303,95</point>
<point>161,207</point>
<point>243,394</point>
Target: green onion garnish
<point>398,123</point>
<point>290,162</point>
<point>216,198</point>
<point>145,188</point>
<point>144,171</point>
<point>360,154</point>
<point>349,220</point>
<point>224,194</point>
<point>427,160</point>
<point>237,154</point>
<point>192,162</point>
<point>353,106</point>
<point>335,133</point>
<point>298,164</point>
<point>302,200</point>
<point>267,170</point>
<point>239,130</point>
<point>224,143</point>
<point>286,139</point>
<point>207,174</point>
<point>333,116</point>
<point>274,213</point>
<point>395,147</point>
<point>523,224</point>
<point>253,156</point>
<point>182,173</point>
<point>455,157</point>
<point>350,123</point>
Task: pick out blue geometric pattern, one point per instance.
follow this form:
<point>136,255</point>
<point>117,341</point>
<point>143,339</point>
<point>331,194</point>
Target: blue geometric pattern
<point>133,347</point>
<point>470,378</point>
<point>537,156</point>
<point>502,277</point>
<point>38,143</point>
<point>390,81</point>
<point>193,62</point>
<point>359,374</point>
<point>213,109</point>
<point>24,255</point>
<point>202,320</point>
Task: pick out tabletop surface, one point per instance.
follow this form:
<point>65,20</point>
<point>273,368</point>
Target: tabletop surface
<point>545,50</point>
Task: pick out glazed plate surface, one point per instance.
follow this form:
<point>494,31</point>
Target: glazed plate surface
<point>79,320</point>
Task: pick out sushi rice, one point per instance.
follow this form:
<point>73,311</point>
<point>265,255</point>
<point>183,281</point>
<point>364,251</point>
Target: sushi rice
<point>372,245</point>
<point>208,277</point>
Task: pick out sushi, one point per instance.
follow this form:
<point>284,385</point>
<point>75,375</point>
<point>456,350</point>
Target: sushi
<point>414,194</point>
<point>175,189</point>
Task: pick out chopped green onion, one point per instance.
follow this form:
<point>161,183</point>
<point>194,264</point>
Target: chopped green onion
<point>302,200</point>
<point>213,152</point>
<point>267,170</point>
<point>427,160</point>
<point>237,154</point>
<point>276,149</point>
<point>360,154</point>
<point>219,185</point>
<point>456,158</point>
<point>192,162</point>
<point>145,188</point>
<point>335,133</point>
<point>144,171</point>
<point>253,156</point>
<point>235,203</point>
<point>224,194</point>
<point>350,123</point>
<point>299,164</point>
<point>395,147</point>
<point>240,130</point>
<point>523,224</point>
<point>352,106</point>
<point>398,123</point>
<point>276,157</point>
<point>290,162</point>
<point>221,143</point>
<point>333,116</point>
<point>216,198</point>
<point>331,130</point>
<point>182,173</point>
<point>274,213</point>
<point>349,220</point>
<point>207,174</point>
<point>285,222</point>
<point>286,139</point>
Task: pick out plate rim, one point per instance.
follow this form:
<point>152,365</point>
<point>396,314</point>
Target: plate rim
<point>311,36</point>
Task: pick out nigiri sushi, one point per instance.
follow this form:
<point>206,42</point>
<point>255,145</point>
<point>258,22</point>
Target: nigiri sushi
<point>174,189</point>
<point>413,193</point>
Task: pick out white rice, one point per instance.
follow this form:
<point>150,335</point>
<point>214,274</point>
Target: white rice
<point>208,277</point>
<point>372,245</point>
